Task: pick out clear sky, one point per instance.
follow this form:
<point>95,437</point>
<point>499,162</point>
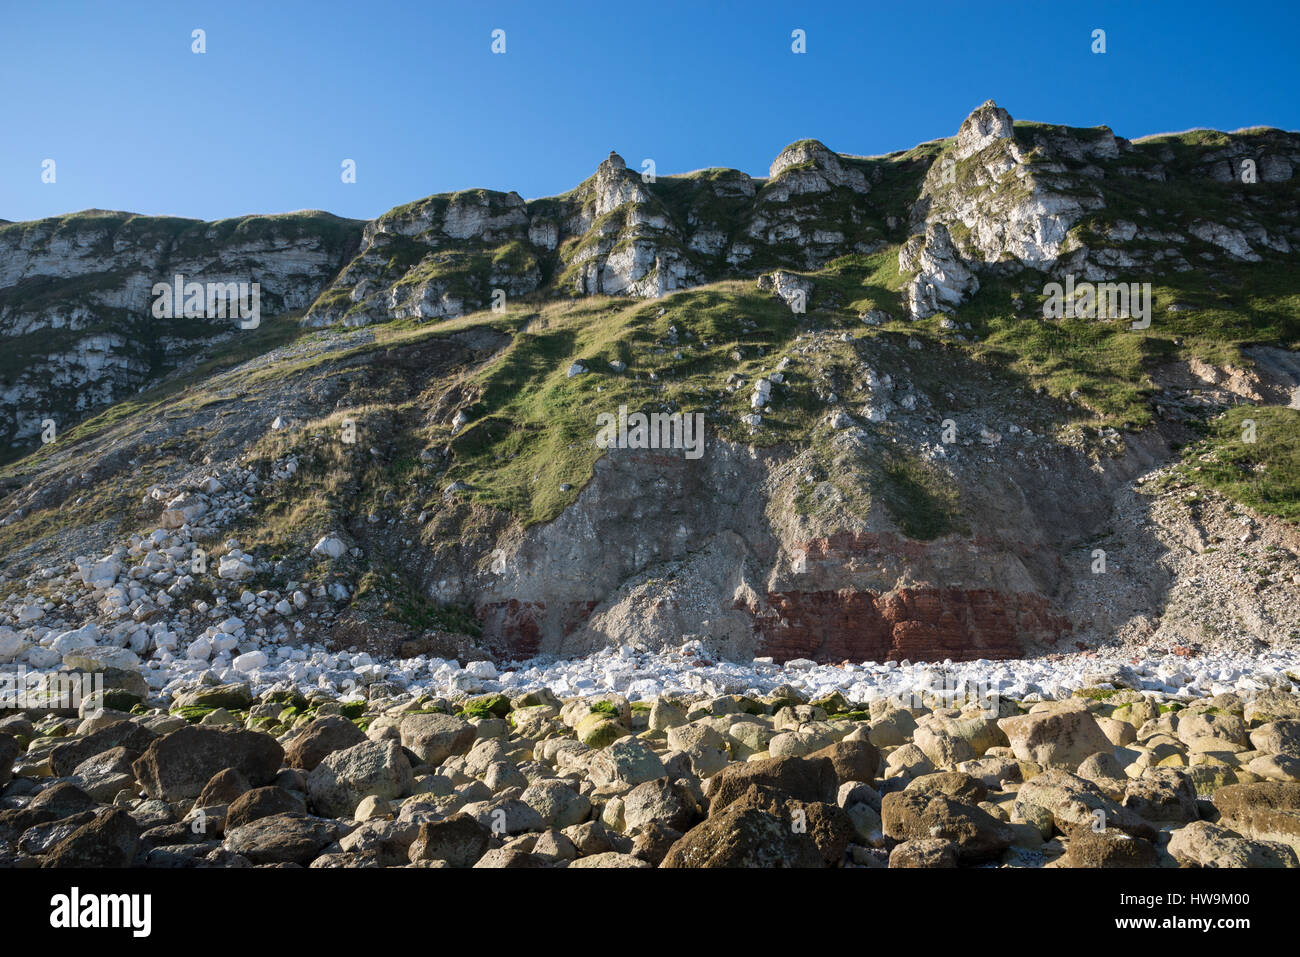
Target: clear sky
<point>288,89</point>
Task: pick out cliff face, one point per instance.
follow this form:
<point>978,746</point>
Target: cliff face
<point>995,200</point>
<point>76,299</point>
<point>905,456</point>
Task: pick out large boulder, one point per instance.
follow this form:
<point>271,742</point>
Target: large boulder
<point>1202,844</point>
<point>804,779</point>
<point>1262,810</point>
<point>1163,795</point>
<point>924,852</point>
<point>460,840</point>
<point>1272,706</point>
<point>433,738</point>
<point>830,826</point>
<point>282,839</point>
<point>627,762</point>
<point>706,747</point>
<point>1276,737</point>
<point>744,837</point>
<point>223,788</point>
<point>262,802</point>
<point>1061,737</point>
<point>663,802</point>
<point>120,734</point>
<point>506,816</point>
<point>321,737</point>
<point>343,778</point>
<point>852,760</point>
<point>1108,848</point>
<point>915,815</point>
<point>110,840</point>
<point>953,784</point>
<point>1073,802</point>
<point>948,741</point>
<point>178,765</point>
<point>106,774</point>
<point>559,805</point>
<point>232,697</point>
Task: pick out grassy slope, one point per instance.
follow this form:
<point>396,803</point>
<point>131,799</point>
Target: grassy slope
<point>531,428</point>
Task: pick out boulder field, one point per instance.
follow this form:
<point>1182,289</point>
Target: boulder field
<point>1109,777</point>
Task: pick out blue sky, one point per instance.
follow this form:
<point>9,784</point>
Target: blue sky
<point>411,91</point>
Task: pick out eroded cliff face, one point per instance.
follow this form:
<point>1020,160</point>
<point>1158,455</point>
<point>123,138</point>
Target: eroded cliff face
<point>76,300</point>
<point>1002,198</point>
<point>658,546</point>
<point>877,483</point>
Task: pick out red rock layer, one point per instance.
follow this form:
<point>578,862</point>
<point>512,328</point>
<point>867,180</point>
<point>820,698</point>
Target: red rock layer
<point>511,628</point>
<point>921,624</point>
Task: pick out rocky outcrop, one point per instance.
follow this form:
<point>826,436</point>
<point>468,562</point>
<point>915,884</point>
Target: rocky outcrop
<point>1002,198</point>
<point>992,199</point>
<point>76,297</point>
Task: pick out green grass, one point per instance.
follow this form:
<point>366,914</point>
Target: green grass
<point>533,428</point>
<point>1265,474</point>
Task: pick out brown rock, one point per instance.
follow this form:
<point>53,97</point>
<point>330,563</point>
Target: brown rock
<point>121,734</point>
<point>222,788</point>
<point>911,815</point>
<point>744,837</point>
<point>852,760</point>
<point>1108,848</point>
<point>927,852</point>
<point>321,737</point>
<point>177,766</point>
<point>110,840</point>
<point>262,802</point>
<point>460,840</point>
<point>954,784</point>
<point>804,779</point>
<point>282,839</point>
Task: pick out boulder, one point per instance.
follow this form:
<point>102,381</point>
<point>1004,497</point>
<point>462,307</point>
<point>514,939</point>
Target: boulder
<point>803,779</point>
<point>924,852</point>
<point>558,804</point>
<point>852,760</point>
<point>1202,844</point>
<point>262,802</point>
<point>1262,810</point>
<point>291,838</point>
<point>1074,802</point>
<point>662,802</point>
<point>460,840</point>
<point>1060,738</point>
<point>912,815</point>
<point>322,736</point>
<point>953,784</point>
<point>178,765</point>
<point>433,738</point>
<point>232,697</point>
<point>222,788</point>
<point>110,840</point>
<point>627,762</point>
<point>744,837</point>
<point>1108,848</point>
<point>343,778</point>
<point>120,734</point>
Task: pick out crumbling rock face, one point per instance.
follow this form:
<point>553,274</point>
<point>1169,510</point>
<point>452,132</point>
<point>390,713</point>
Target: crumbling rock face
<point>986,124</point>
<point>658,547</point>
<point>1004,202</point>
<point>809,167</point>
<point>76,298</point>
<point>928,624</point>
